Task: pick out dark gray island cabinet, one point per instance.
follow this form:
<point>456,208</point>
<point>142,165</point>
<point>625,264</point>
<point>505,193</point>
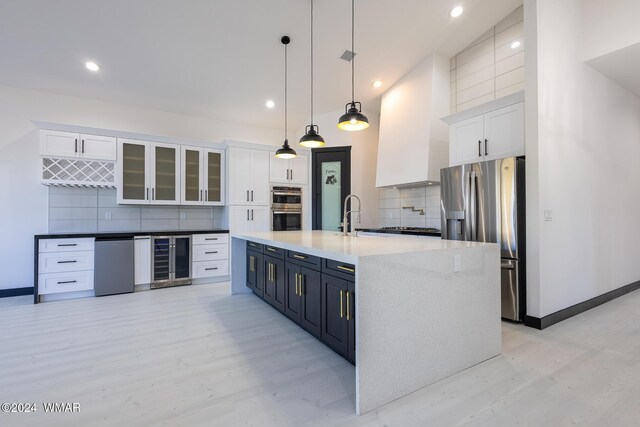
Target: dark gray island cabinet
<point>315,293</point>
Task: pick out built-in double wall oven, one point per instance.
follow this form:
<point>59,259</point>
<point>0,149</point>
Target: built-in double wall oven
<point>286,208</point>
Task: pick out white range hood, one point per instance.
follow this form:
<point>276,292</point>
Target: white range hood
<point>414,143</point>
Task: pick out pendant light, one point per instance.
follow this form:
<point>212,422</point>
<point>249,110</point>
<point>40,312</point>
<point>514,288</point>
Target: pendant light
<point>311,138</point>
<point>285,152</point>
<point>353,119</point>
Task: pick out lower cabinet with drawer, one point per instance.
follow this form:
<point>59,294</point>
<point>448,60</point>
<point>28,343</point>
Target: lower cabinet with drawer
<point>65,265</point>
<point>210,255</point>
<point>315,293</point>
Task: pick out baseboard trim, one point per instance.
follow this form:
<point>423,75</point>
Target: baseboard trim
<point>15,292</point>
<point>559,316</point>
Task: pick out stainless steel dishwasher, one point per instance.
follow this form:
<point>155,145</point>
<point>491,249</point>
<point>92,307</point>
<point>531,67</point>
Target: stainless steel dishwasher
<point>114,265</point>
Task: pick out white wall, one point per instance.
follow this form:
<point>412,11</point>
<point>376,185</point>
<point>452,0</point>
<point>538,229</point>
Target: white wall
<point>23,200</point>
<point>585,143</point>
<point>364,149</point>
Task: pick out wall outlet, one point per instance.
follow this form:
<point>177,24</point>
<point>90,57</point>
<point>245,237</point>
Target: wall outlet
<point>183,215</point>
<point>548,215</point>
<point>456,264</point>
<point>107,216</point>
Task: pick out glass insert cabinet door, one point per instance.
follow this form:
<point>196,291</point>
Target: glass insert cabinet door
<point>214,164</point>
<point>192,176</point>
<point>166,174</point>
<point>202,176</point>
<point>133,172</point>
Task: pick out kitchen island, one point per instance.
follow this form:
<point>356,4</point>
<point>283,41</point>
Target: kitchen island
<point>420,310</point>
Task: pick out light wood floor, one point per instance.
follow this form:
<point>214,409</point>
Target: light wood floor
<point>194,356</point>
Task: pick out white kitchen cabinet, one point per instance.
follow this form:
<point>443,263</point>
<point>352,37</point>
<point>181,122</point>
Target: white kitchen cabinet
<point>248,176</point>
<point>210,255</point>
<point>243,219</point>
<point>68,144</point>
<point>65,265</point>
<point>289,171</point>
<point>142,260</point>
<point>148,173</point>
<point>492,135</point>
<point>202,176</point>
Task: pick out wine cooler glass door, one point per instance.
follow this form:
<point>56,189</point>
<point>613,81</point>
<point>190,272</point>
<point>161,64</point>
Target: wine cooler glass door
<point>161,259</point>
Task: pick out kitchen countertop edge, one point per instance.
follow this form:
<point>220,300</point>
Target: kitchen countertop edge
<point>132,234</point>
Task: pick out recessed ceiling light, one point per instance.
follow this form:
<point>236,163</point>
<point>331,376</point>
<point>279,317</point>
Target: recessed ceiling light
<point>92,66</point>
<point>270,104</point>
<point>456,11</point>
<point>377,83</point>
<point>515,44</point>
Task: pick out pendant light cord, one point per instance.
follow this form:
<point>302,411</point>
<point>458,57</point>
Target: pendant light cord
<point>285,92</point>
<point>311,64</point>
<point>353,52</point>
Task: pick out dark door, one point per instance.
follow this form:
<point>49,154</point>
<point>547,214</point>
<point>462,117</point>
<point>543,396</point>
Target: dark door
<point>335,331</point>
<point>331,184</point>
<point>255,276</point>
<point>310,290</point>
<point>293,302</point>
<point>274,286</point>
<point>182,258</point>
<point>351,320</point>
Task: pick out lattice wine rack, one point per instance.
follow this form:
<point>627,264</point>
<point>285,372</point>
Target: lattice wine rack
<point>77,173</point>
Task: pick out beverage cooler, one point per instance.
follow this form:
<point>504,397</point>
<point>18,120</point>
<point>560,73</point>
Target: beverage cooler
<point>171,261</point>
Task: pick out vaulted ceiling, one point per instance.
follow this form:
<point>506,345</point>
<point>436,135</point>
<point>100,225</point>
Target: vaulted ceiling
<point>223,58</point>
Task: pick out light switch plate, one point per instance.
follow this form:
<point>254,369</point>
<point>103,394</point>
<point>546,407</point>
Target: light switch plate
<point>548,215</point>
<point>107,216</point>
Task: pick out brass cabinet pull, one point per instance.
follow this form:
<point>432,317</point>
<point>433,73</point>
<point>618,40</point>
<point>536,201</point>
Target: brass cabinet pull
<point>296,283</point>
<point>301,282</point>
<point>342,267</point>
<point>250,263</point>
<point>299,256</point>
<point>270,272</point>
<point>348,318</point>
<point>341,308</point>
<point>271,249</point>
<point>275,271</point>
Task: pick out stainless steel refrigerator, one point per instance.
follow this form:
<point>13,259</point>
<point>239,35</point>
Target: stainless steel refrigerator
<point>485,202</point>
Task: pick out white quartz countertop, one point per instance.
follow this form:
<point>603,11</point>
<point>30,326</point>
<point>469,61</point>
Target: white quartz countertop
<point>333,245</point>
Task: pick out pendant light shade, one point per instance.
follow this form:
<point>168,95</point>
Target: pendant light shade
<point>353,119</point>
<point>312,138</point>
<point>286,152</point>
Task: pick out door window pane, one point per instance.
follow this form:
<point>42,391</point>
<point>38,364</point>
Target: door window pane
<point>192,175</point>
<point>133,172</point>
<point>213,177</point>
<point>165,188</point>
<point>331,195</point>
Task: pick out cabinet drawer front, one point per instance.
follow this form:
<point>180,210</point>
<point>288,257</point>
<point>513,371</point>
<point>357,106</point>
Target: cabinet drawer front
<point>258,247</point>
<point>54,283</point>
<point>53,262</point>
<point>66,245</point>
<point>300,258</point>
<point>203,269</point>
<point>273,251</point>
<point>209,239</point>
<point>339,269</point>
<point>210,252</point>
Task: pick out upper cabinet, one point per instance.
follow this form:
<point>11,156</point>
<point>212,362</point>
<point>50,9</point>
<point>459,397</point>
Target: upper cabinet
<point>292,171</point>
<point>148,173</point>
<point>412,145</point>
<point>67,144</point>
<point>496,134</point>
<point>248,176</point>
<point>202,176</point>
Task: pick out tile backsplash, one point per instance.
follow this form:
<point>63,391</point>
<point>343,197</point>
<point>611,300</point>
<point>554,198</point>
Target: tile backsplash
<point>85,210</point>
<point>426,197</point>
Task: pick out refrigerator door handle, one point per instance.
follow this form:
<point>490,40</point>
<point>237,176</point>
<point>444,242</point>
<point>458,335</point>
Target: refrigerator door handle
<point>473,218</point>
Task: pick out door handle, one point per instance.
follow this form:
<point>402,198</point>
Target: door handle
<point>200,195</point>
<point>206,195</point>
<point>342,267</point>
<point>147,196</point>
<point>251,214</point>
<point>291,174</point>
<point>247,195</point>
<point>486,147</point>
<point>297,285</point>
<point>348,318</point>
<point>247,214</point>
<point>252,195</point>
<point>211,268</point>
<point>75,150</point>
<point>67,262</point>
<point>301,283</point>
<point>67,244</point>
<point>479,148</point>
<point>67,281</point>
<point>508,266</point>
<point>83,146</point>
<point>341,308</point>
<point>153,193</point>
<point>211,252</point>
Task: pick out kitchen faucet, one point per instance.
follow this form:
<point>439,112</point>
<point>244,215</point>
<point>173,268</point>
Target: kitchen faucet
<point>345,222</point>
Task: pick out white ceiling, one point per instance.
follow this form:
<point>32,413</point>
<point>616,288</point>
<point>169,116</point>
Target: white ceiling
<point>622,66</point>
<point>223,58</point>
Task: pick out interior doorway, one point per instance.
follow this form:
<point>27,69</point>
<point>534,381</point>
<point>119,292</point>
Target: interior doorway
<point>331,184</point>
